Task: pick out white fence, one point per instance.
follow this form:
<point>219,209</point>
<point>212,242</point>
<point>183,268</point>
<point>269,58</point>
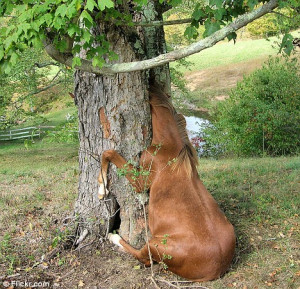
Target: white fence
<point>26,132</point>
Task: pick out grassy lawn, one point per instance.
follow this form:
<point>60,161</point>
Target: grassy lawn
<point>260,196</point>
<point>229,53</point>
<point>226,52</point>
<point>54,117</point>
<point>37,187</point>
<point>57,117</point>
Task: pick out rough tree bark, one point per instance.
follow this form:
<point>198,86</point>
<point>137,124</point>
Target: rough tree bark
<point>114,113</point>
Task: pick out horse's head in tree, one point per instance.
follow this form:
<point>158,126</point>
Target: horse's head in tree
<point>190,233</point>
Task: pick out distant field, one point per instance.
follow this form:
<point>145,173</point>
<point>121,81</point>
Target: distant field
<point>229,53</point>
<point>57,117</point>
<point>54,117</point>
<point>216,70</point>
<point>226,52</point>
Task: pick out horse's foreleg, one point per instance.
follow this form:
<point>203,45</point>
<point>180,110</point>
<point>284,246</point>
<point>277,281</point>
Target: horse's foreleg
<point>113,156</point>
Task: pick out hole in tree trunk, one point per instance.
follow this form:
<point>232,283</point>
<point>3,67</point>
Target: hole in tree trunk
<point>117,218</point>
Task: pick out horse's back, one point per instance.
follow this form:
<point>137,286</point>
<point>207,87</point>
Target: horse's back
<point>202,237</point>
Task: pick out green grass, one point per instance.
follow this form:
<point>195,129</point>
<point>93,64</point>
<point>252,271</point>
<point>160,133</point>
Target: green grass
<point>225,53</point>
<point>58,117</point>
<point>260,196</point>
<point>37,186</point>
<point>261,189</point>
<point>54,117</point>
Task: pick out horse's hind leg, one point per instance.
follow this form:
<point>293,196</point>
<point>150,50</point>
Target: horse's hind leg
<point>142,255</point>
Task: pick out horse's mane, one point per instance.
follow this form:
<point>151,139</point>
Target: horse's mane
<point>187,157</point>
<point>161,99</point>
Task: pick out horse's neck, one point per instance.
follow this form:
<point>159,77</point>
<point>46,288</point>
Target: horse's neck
<point>165,131</point>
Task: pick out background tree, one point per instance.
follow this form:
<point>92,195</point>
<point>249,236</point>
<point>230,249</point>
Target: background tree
<point>115,47</point>
<point>25,90</point>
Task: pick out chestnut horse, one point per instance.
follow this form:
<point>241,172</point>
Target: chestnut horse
<point>189,232</point>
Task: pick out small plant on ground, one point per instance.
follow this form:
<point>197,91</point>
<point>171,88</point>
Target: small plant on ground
<point>8,254</point>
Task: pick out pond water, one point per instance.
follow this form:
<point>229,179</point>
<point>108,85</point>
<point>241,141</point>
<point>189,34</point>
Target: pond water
<point>195,125</point>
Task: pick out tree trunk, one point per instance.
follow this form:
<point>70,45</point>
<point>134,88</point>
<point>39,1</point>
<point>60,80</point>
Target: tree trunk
<point>114,113</point>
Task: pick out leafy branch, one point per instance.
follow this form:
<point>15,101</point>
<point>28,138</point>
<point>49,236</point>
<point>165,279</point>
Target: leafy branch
<point>109,69</point>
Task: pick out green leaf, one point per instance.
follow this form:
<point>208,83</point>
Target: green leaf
<point>86,35</point>
<point>8,31</point>
<point>284,3</point>
<point>77,4</point>
<point>61,46</point>
<point>232,36</point>
<point>76,61</point>
<point>86,15</point>
<point>47,18</point>
<point>1,52</point>
<point>97,61</point>
<point>211,27</point>
<point>90,5</point>
<point>71,11</point>
<point>220,13</point>
<point>6,67</point>
<point>37,42</point>
<point>14,58</point>
<point>8,42</point>
<point>35,26</point>
<point>140,2</point>
<point>105,4</point>
<point>20,8</point>
<point>24,27</point>
<point>198,14</point>
<point>9,7</point>
<point>100,50</point>
<point>76,48</point>
<point>287,44</point>
<point>57,22</point>
<point>218,3</point>
<point>61,10</point>
<point>73,29</point>
<point>175,3</point>
<point>252,3</point>
<point>191,32</point>
<point>113,56</point>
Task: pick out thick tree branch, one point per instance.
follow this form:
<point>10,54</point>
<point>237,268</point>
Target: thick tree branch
<point>282,15</point>
<point>19,102</point>
<point>41,65</point>
<point>109,69</point>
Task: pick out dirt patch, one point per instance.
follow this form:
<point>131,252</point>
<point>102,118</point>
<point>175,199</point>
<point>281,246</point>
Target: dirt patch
<point>222,77</point>
<point>221,97</point>
<point>102,267</point>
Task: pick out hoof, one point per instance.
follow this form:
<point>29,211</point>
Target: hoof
<point>102,191</point>
<point>115,239</point>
